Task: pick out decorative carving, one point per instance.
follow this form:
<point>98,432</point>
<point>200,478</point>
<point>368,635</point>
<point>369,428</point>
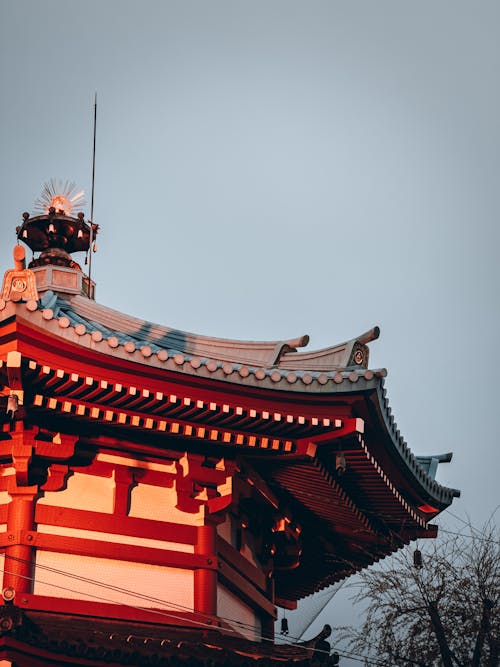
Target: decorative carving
<point>57,477</point>
<point>19,283</point>
<point>359,355</point>
<point>38,457</point>
<point>203,481</point>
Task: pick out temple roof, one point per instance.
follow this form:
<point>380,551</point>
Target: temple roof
<point>290,413</point>
<point>68,313</point>
<point>274,364</point>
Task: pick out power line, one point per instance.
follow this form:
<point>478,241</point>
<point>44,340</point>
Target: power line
<point>158,612</point>
<point>118,589</point>
<point>470,537</point>
<point>468,524</point>
<point>164,613</point>
<point>290,641</point>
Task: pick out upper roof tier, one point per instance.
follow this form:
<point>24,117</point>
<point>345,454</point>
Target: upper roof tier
<point>275,365</point>
<point>275,356</point>
<point>61,291</point>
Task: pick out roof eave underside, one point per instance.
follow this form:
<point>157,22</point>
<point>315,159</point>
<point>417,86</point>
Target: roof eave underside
<point>358,381</point>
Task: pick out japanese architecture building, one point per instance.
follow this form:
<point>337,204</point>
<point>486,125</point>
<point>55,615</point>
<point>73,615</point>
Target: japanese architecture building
<point>161,493</point>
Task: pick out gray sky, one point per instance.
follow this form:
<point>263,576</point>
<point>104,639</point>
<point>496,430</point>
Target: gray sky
<point>272,168</point>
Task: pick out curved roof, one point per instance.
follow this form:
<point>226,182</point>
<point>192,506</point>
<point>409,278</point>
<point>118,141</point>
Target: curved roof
<point>323,402</point>
<point>273,365</point>
<point>277,364</point>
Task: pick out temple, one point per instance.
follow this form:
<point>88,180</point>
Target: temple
<point>162,493</point>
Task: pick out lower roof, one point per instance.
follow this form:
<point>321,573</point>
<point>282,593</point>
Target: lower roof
<point>53,638</point>
<point>97,333</point>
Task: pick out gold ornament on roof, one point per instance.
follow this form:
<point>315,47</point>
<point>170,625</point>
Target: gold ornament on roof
<point>19,283</point>
<point>63,197</point>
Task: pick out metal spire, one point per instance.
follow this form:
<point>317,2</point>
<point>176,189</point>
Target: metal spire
<point>92,195</point>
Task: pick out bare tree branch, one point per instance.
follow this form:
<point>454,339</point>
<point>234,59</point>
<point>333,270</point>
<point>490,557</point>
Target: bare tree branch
<point>445,613</point>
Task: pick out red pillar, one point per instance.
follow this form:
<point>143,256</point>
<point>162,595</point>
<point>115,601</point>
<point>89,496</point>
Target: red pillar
<point>205,579</point>
<point>20,558</point>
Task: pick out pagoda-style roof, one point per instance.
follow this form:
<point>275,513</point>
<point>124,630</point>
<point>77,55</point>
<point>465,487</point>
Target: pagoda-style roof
<point>273,365</point>
<point>244,474</point>
<point>383,499</point>
<point>238,361</point>
<point>315,427</point>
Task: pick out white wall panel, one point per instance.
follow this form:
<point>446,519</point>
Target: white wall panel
<point>169,588</point>
<point>84,492</point>
<point>155,502</point>
<point>236,613</point>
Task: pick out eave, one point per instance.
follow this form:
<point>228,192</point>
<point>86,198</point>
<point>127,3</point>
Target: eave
<point>289,430</point>
<point>115,635</point>
<point>153,351</point>
<point>143,397</point>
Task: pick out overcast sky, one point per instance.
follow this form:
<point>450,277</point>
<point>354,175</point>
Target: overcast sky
<point>272,168</point>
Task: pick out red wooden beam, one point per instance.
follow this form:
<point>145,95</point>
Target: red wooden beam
<point>19,555</point>
<point>113,611</point>
<point>39,344</point>
<point>107,523</point>
<point>308,446</point>
<point>241,564</point>
<point>98,549</point>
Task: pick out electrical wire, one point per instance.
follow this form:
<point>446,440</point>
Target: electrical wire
<point>104,599</point>
<point>468,524</point>
<point>290,641</point>
<point>117,589</point>
<point>470,537</point>
<point>163,613</point>
<point>178,607</point>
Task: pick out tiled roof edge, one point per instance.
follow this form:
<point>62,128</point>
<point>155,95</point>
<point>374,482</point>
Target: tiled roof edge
<point>443,494</point>
<point>94,335</point>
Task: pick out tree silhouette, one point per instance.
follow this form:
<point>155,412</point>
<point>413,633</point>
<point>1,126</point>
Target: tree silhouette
<point>438,606</point>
